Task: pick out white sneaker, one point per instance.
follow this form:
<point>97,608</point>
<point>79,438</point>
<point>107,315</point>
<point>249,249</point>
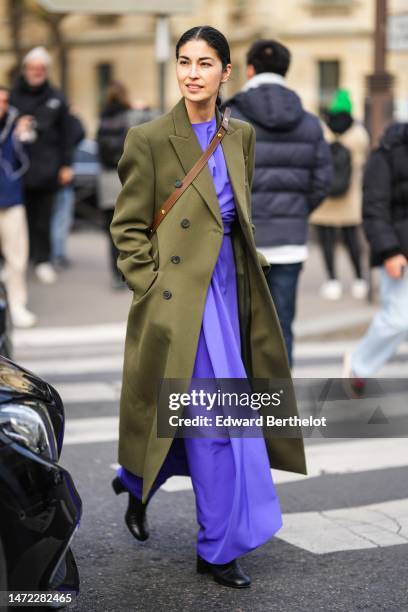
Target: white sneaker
<point>46,273</point>
<point>331,290</point>
<point>21,317</point>
<point>359,289</point>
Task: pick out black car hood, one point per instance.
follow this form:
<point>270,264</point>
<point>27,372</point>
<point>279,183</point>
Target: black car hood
<point>18,385</point>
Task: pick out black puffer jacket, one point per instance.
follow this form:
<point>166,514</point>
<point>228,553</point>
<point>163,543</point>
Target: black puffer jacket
<point>293,168</point>
<point>385,202</point>
<point>53,147</point>
<point>116,120</point>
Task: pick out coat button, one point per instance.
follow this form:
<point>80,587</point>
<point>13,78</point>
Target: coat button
<point>185,223</point>
<point>175,259</point>
<point>178,183</point>
<point>166,294</point>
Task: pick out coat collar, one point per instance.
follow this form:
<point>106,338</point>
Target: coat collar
<point>265,78</point>
<point>188,151</point>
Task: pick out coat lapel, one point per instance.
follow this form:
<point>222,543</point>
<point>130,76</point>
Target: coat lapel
<point>188,151</point>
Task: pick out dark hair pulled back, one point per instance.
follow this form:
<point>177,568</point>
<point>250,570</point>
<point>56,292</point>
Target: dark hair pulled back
<point>269,56</point>
<point>214,39</point>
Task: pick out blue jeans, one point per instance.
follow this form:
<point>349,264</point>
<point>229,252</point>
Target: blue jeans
<point>387,330</point>
<point>61,221</point>
<point>283,280</point>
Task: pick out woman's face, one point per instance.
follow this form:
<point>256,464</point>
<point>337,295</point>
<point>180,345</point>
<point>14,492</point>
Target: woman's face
<point>199,71</point>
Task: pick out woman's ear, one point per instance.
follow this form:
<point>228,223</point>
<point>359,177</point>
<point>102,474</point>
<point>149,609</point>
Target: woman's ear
<point>226,73</point>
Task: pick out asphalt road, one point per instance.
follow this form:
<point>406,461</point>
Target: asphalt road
<point>344,543</point>
<point>324,558</point>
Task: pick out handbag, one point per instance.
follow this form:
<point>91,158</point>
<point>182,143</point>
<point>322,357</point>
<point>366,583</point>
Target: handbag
<point>192,174</point>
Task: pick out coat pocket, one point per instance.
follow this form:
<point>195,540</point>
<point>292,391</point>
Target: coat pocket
<point>148,290</point>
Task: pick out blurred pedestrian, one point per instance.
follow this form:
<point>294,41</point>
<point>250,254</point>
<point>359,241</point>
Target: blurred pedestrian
<point>50,153</point>
<point>385,215</point>
<point>63,209</point>
<point>292,171</point>
<point>13,224</point>
<point>118,115</point>
<point>349,144</point>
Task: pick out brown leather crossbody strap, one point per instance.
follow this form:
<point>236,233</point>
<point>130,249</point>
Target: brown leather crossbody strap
<point>192,174</point>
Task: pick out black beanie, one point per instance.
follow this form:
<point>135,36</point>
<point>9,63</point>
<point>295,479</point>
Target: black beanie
<point>269,56</point>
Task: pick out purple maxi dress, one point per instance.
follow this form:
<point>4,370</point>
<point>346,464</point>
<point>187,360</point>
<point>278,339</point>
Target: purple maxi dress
<point>236,501</point>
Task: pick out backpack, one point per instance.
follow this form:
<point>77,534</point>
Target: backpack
<point>110,138</point>
<point>342,169</point>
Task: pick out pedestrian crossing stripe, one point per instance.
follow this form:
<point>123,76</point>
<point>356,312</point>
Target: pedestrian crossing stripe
<point>334,530</point>
<point>104,353</point>
<point>68,336</point>
<point>347,457</point>
<point>341,529</point>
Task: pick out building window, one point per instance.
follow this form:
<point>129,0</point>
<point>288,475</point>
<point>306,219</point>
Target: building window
<point>329,79</point>
<point>331,8</point>
<point>106,19</point>
<point>332,4</point>
<point>12,74</point>
<point>104,77</point>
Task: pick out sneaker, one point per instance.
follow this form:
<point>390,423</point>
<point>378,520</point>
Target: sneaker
<point>359,289</point>
<point>331,290</point>
<point>352,384</point>
<point>21,317</point>
<point>45,273</point>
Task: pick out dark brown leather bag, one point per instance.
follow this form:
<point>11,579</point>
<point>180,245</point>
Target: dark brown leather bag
<point>192,174</point>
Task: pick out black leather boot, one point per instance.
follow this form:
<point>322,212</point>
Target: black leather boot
<point>229,574</point>
<point>135,517</point>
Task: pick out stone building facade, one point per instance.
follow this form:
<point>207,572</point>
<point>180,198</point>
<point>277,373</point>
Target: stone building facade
<point>331,43</point>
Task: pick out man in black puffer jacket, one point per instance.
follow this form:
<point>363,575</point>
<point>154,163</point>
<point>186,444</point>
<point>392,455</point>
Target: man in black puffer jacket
<point>50,152</point>
<point>385,214</point>
<point>293,171</point>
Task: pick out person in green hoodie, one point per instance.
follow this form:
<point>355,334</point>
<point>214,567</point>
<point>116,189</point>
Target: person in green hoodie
<point>349,145</point>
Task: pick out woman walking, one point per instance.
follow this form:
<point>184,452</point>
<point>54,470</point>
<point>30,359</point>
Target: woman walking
<point>201,309</point>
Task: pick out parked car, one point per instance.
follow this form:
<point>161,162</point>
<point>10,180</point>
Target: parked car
<point>40,509</point>
<point>86,170</point>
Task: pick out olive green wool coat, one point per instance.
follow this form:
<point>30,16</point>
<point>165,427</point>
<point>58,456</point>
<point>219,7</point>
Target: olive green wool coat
<point>170,274</point>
